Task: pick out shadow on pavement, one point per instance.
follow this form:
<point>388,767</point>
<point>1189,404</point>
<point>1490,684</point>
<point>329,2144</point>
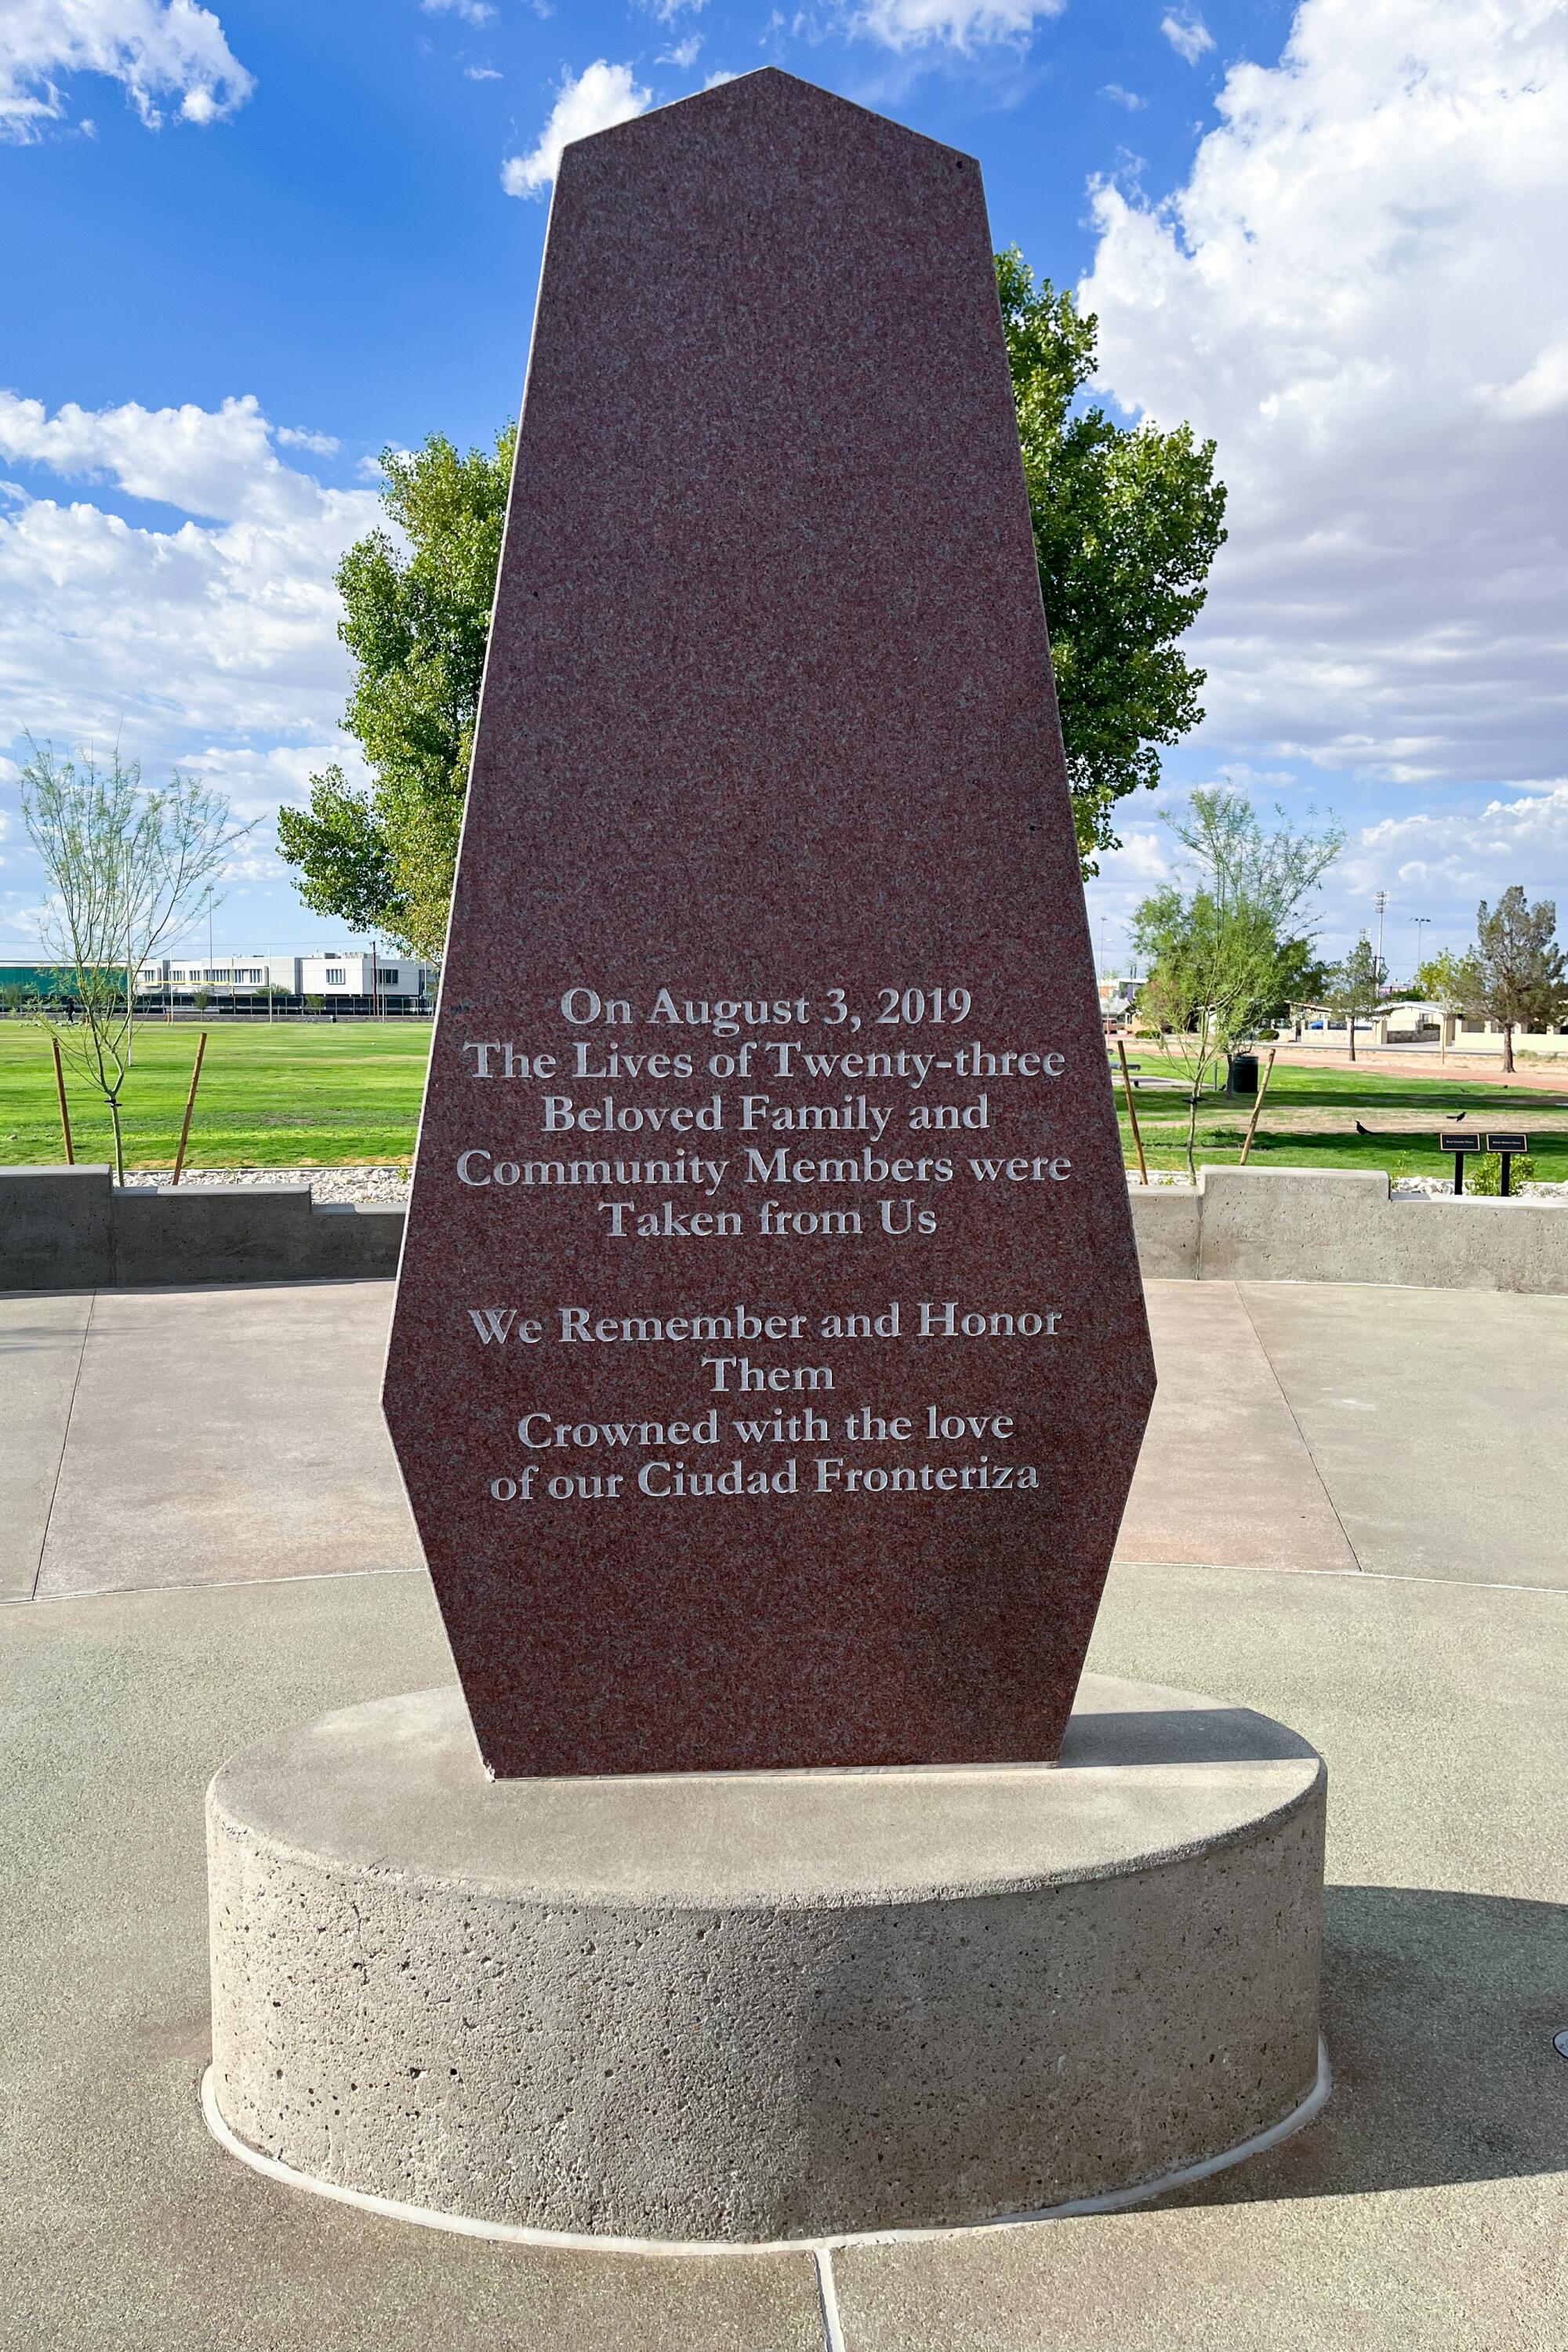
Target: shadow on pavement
<point>1438,2010</point>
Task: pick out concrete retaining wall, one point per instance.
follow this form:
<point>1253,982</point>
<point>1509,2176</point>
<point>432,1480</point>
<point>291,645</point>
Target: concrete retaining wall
<point>73,1229</point>
<point>1257,1224</point>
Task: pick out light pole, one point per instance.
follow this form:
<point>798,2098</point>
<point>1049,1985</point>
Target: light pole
<point>1381,903</point>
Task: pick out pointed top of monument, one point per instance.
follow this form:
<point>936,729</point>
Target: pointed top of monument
<point>773,97</point>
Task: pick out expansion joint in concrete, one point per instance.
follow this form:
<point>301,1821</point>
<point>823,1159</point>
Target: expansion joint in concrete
<point>65,1441</point>
<point>1296,1423</point>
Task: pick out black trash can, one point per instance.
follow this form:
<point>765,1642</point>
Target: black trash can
<point>1244,1074</point>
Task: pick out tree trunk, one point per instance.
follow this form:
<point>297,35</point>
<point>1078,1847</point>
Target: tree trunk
<point>1508,1048</point>
<point>119,1139</point>
<point>1350,1032</point>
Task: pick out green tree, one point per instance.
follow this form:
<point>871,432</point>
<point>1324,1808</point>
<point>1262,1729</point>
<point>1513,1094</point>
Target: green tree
<point>1225,955</point>
<point>1449,981</point>
<point>1355,987</point>
<point>416,601</point>
<point>1127,523</point>
<point>1521,977</point>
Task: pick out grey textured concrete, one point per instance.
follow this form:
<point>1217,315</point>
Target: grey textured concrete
<point>1426,2208</point>
<point>1339,1225</point>
<point>257,1233</point>
<point>54,1228</point>
<point>40,1352</point>
<point>71,1228</point>
<point>65,1228</point>
<point>1423,2211</point>
<point>125,2228</point>
<point>765,2005</point>
<point>1166,1225</point>
<point>226,1434</point>
<point>1225,1472</point>
<point>1437,1419</point>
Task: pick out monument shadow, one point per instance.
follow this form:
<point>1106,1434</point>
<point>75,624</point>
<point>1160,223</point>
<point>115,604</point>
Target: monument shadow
<point>1439,2011</point>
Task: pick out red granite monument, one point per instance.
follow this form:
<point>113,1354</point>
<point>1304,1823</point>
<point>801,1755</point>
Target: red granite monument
<point>770,1362</point>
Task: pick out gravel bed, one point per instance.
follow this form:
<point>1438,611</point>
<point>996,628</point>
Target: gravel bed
<point>382,1187</point>
<point>1433,1188</point>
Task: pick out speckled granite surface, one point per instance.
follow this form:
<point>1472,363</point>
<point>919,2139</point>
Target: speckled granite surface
<point>770,1362</point>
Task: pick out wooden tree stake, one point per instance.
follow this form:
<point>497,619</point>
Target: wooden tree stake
<point>1257,1106</point>
<point>65,1115</point>
<point>190,1105</point>
<point>1131,1113</point>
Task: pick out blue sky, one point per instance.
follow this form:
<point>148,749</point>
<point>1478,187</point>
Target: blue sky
<point>250,247</point>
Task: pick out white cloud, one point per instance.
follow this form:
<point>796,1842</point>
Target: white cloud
<point>1453,857</point>
<point>719,76</point>
<point>1187,34</point>
<point>1127,98</point>
<point>472,12</point>
<point>601,96</point>
<point>204,461</point>
<point>481,73</point>
<point>290,436</point>
<point>962,24</point>
<point>683,54</point>
<point>159,50</point>
<point>1360,293</point>
<point>222,627</point>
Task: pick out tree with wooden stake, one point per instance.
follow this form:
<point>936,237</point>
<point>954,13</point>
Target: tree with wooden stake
<point>1223,955</point>
<point>125,867</point>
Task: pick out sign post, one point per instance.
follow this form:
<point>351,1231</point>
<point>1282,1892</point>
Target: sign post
<point>1507,1146</point>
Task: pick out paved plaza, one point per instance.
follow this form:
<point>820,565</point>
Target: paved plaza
<point>1348,1514</point>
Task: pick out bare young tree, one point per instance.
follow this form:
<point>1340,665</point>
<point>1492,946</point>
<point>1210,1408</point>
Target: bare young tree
<point>1223,954</point>
<point>125,867</point>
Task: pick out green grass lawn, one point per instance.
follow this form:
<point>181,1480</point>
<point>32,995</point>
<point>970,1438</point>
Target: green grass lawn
<point>319,1094</point>
<point>1309,1119</point>
<point>294,1094</point>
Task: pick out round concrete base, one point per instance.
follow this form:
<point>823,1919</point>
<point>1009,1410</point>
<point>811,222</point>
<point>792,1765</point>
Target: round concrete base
<point>735,2006</point>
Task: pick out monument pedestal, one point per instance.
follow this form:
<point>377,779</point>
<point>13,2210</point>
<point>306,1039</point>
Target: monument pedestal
<point>736,2006</point>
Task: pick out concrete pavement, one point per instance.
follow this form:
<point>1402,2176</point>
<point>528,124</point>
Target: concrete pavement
<point>1375,1477</point>
<point>194,1437</point>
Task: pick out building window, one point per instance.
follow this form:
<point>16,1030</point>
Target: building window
<point>336,976</point>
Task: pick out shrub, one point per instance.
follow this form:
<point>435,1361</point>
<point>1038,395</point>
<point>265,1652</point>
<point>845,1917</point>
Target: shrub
<point>1484,1175</point>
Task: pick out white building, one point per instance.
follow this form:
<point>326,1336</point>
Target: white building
<point>334,974</point>
<point>242,975</point>
<point>358,979</point>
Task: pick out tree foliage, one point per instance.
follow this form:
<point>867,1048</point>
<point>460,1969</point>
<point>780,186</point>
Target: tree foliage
<point>1519,978</point>
<point>1225,956</point>
<point>1127,523</point>
<point>1355,987</point>
<point>126,869</point>
<point>416,601</point>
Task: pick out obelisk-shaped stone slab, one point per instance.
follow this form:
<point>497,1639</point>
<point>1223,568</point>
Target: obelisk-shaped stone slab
<point>770,1361</point>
